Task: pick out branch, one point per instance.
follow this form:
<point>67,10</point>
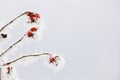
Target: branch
<point>10,47</point>
<point>12,21</point>
<point>24,57</point>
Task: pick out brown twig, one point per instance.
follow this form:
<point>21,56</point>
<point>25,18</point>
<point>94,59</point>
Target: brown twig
<point>24,57</point>
<point>12,21</point>
<point>10,47</point>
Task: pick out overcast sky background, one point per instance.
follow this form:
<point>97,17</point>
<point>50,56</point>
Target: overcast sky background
<point>86,32</point>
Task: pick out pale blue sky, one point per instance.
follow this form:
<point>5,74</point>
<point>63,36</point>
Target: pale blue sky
<point>86,32</point>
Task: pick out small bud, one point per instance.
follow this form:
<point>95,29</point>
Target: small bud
<point>4,35</point>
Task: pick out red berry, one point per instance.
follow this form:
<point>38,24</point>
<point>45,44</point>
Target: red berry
<point>8,70</point>
<point>30,34</point>
<point>33,29</point>
<point>30,14</point>
<point>37,15</point>
<point>52,60</point>
<point>32,19</point>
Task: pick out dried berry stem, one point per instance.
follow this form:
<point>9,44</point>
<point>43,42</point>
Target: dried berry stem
<point>10,47</point>
<point>35,55</point>
<point>12,21</point>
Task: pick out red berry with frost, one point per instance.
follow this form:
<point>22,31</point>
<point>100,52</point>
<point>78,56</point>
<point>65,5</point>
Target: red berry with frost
<point>33,29</point>
<point>30,34</point>
<point>33,16</point>
<point>9,69</point>
<point>52,60</point>
<point>37,15</point>
<point>32,19</point>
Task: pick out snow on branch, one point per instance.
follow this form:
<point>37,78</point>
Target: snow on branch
<point>35,32</point>
<point>12,21</point>
<point>6,64</point>
<point>10,47</point>
<point>32,16</point>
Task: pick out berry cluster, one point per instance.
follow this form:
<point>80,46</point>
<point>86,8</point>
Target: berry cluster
<point>54,59</point>
<point>33,16</point>
<point>56,62</point>
<point>31,32</point>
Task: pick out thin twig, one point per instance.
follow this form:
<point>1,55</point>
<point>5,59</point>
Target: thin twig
<point>35,55</point>
<point>0,73</point>
<point>10,47</point>
<point>12,21</point>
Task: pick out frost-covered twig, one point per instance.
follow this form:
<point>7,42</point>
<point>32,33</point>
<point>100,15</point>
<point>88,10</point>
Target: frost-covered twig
<point>7,68</point>
<point>13,21</point>
<point>33,18</point>
<point>31,33</point>
<point>10,47</point>
<point>35,55</point>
